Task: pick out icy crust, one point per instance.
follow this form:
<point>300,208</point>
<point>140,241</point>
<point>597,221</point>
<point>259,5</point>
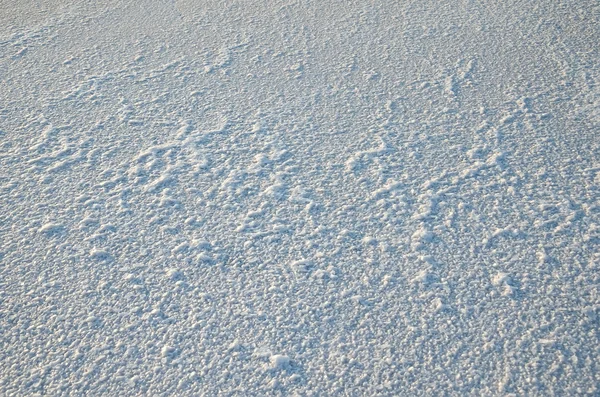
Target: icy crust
<point>384,198</point>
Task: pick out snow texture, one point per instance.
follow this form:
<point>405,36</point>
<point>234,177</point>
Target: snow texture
<point>300,198</point>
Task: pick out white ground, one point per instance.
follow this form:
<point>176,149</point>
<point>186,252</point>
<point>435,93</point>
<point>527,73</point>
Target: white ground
<point>316,197</point>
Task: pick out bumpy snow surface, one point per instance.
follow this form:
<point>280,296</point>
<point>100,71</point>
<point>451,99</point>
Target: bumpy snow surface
<point>312,198</point>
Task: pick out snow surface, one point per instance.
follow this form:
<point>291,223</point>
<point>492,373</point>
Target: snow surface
<point>312,198</point>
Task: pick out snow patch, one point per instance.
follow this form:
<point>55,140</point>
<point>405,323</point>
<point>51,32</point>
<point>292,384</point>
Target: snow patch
<point>279,361</point>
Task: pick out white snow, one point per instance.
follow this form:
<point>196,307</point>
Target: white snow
<point>279,361</point>
<point>310,198</point>
<point>50,228</point>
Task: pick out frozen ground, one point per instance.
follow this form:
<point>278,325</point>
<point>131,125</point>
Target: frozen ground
<point>312,198</point>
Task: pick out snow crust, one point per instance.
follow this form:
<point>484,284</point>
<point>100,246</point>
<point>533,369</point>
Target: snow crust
<point>299,198</point>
